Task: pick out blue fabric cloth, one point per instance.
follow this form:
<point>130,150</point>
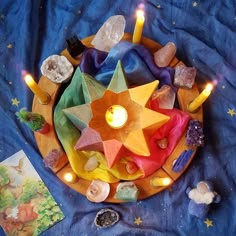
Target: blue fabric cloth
<point>137,61</point>
<point>204,32</point>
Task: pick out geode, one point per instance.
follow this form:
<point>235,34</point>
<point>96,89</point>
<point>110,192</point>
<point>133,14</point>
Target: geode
<point>57,69</point>
<point>106,218</point>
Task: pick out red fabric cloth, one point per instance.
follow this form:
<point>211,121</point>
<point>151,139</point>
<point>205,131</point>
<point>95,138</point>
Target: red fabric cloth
<point>172,130</point>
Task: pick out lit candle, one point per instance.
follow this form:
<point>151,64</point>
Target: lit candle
<point>160,182</point>
<point>200,99</point>
<point>70,177</point>
<point>43,97</point>
<point>116,116</point>
<point>138,29</point>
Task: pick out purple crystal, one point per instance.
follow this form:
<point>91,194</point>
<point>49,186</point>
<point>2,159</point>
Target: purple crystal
<point>194,135</point>
<point>185,76</point>
<point>52,158</point>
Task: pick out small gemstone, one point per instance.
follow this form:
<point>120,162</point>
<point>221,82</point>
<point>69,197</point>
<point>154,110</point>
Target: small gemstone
<point>127,191</point>
<point>184,76</point>
<point>165,97</point>
<point>163,56</point>
<point>162,143</point>
<point>131,167</point>
<point>52,158</point>
<point>194,135</point>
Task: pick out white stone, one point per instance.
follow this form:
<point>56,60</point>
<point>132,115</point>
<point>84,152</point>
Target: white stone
<point>91,164</point>
<point>110,33</point>
<point>98,191</point>
<point>57,69</point>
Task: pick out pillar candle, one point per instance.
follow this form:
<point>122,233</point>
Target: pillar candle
<point>138,29</point>
<point>200,99</point>
<point>43,97</point>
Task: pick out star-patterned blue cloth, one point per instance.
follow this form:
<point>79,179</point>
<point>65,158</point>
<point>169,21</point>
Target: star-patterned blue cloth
<point>204,33</point>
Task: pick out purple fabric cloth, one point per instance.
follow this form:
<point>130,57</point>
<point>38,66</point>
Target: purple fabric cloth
<point>137,61</point>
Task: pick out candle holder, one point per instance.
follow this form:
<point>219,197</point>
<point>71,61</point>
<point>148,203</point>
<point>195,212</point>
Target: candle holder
<point>47,143</point>
<point>46,101</point>
<point>192,111</point>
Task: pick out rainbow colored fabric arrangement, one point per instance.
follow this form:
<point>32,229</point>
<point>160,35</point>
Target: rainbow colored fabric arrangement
<point>174,122</point>
<point>204,33</point>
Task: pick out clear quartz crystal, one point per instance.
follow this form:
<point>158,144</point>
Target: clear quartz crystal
<point>110,33</point>
<point>165,97</point>
<point>163,56</point>
<point>91,164</point>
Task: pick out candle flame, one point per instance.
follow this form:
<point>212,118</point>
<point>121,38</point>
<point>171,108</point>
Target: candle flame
<point>140,13</point>
<point>28,78</point>
<point>209,87</point>
<point>166,181</point>
<point>68,177</point>
<point>116,116</point>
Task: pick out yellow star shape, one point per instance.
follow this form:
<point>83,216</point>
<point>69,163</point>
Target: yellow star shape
<point>209,223</point>
<point>137,220</point>
<point>141,123</point>
<point>231,112</point>
<point>15,102</point>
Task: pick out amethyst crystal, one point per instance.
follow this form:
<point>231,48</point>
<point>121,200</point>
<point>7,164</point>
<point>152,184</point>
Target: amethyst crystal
<point>185,76</point>
<point>52,158</point>
<point>194,135</point>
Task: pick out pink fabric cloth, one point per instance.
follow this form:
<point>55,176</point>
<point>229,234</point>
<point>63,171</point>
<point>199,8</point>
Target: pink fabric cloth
<point>172,130</point>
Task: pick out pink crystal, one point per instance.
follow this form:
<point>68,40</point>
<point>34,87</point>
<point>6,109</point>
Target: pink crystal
<point>163,56</point>
<point>52,158</point>
<point>162,143</point>
<point>185,76</point>
<point>165,97</point>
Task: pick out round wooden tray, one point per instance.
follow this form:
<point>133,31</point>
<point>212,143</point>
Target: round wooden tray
<point>49,141</point>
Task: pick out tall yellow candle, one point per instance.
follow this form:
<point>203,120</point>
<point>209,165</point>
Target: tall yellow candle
<point>138,29</point>
<point>200,99</point>
<point>43,97</point>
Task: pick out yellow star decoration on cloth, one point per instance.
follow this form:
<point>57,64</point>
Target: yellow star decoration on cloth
<point>231,112</point>
<point>15,102</point>
<point>209,223</point>
<point>137,221</point>
<point>97,132</point>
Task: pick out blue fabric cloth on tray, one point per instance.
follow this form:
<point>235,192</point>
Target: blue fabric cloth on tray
<point>204,33</point>
<point>137,61</point>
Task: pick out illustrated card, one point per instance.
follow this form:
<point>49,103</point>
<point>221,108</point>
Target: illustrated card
<point>26,205</point>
